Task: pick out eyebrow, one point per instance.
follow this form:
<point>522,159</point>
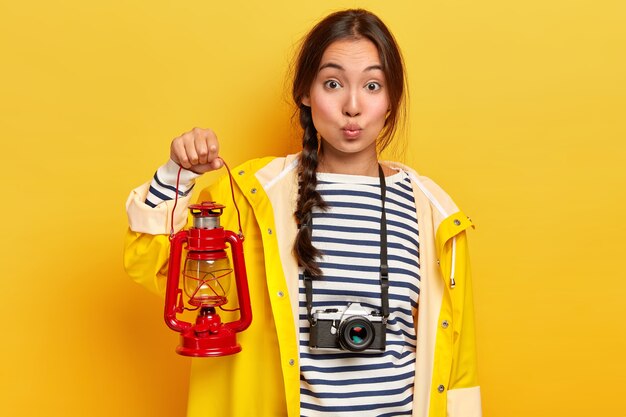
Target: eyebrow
<point>340,68</point>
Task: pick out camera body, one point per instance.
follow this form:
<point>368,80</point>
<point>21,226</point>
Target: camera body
<point>352,328</point>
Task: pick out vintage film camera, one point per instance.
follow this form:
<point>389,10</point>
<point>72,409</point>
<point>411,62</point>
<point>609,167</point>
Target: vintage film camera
<point>353,328</point>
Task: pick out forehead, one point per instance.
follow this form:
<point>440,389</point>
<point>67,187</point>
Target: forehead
<point>356,53</point>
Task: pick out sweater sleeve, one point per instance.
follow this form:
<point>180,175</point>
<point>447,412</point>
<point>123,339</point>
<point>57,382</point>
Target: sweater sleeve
<point>164,182</point>
<point>149,207</point>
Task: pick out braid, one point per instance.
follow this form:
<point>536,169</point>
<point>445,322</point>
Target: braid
<point>308,196</point>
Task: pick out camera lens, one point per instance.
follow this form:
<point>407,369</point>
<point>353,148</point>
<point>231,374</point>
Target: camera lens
<point>356,333</point>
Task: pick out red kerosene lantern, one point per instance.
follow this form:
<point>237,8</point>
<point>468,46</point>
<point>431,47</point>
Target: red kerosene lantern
<point>206,281</point>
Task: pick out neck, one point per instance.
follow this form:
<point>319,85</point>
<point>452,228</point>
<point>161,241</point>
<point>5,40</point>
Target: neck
<point>350,164</point>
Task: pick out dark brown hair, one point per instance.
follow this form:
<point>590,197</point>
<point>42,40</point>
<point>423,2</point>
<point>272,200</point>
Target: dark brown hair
<point>348,24</point>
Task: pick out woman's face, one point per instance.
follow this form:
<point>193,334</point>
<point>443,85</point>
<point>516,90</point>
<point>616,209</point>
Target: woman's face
<point>348,99</point>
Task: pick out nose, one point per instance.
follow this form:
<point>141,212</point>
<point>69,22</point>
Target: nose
<point>352,105</point>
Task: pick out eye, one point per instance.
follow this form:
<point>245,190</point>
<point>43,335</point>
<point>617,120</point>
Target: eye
<point>373,86</point>
<point>332,84</point>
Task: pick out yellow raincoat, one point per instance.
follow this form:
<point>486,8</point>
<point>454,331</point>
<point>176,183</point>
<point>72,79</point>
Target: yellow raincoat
<point>264,379</point>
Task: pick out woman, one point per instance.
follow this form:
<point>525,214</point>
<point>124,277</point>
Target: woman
<point>324,229</point>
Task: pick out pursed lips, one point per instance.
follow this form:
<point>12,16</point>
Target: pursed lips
<point>352,130</point>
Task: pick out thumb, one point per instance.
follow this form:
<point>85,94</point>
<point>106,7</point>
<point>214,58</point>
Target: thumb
<point>217,163</point>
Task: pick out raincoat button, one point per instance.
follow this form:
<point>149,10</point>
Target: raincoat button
<point>241,172</point>
<point>457,222</point>
<point>269,231</point>
<point>253,191</point>
<point>441,388</point>
<point>445,324</point>
<point>292,362</point>
<point>280,294</point>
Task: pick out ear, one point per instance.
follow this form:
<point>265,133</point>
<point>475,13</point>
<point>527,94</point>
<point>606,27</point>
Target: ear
<point>306,100</point>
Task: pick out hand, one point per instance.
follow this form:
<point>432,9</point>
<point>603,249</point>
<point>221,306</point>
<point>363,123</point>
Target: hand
<point>197,151</point>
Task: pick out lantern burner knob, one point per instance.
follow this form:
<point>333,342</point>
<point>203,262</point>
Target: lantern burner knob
<point>206,215</point>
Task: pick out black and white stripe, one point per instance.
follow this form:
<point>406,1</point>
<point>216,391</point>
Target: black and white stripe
<point>159,192</point>
<point>163,184</point>
<point>343,383</point>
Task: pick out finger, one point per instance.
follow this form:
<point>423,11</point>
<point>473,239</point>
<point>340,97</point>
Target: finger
<point>213,152</point>
<point>200,144</point>
<point>206,144</point>
<point>202,150</point>
<point>178,153</point>
<point>190,150</point>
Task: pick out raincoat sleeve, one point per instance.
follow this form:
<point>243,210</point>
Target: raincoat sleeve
<point>463,396</point>
<point>146,245</point>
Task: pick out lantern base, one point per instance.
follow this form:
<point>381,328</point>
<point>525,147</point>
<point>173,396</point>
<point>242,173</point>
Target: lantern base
<point>205,347</point>
<point>208,337</point>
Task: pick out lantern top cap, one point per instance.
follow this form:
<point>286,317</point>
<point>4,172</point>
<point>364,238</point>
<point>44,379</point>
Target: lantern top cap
<point>206,209</point>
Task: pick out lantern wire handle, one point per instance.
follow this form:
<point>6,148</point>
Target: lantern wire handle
<point>232,193</point>
<point>180,168</point>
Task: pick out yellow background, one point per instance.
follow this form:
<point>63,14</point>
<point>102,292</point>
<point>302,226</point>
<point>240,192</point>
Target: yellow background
<point>517,109</point>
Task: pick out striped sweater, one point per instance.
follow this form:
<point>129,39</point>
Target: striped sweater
<point>369,383</point>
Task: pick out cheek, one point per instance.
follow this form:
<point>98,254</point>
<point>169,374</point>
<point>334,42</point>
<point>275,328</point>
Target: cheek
<point>322,107</point>
<point>379,110</point>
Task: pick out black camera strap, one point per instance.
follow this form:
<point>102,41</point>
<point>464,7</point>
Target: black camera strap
<point>384,266</point>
